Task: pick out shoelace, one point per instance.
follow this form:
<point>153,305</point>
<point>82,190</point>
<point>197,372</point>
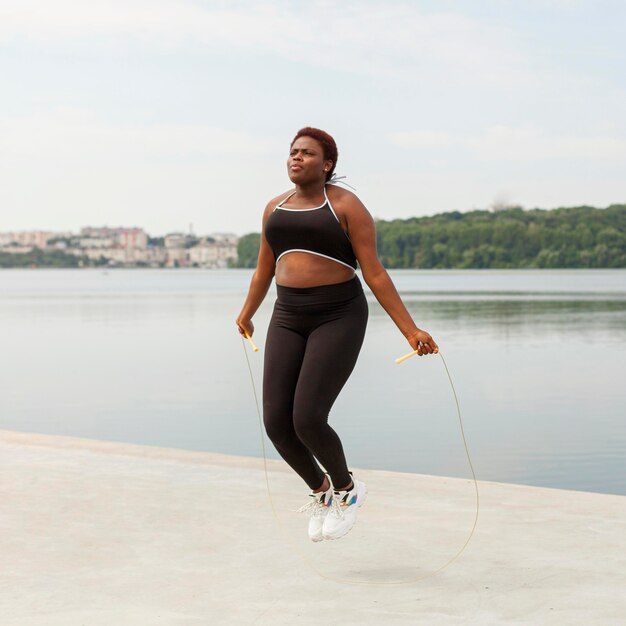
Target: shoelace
<point>335,505</point>
<point>313,507</point>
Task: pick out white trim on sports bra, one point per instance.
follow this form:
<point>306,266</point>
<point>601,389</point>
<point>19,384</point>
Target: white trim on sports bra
<point>330,206</point>
<point>321,206</point>
<point>282,254</point>
<point>282,208</point>
<point>326,201</point>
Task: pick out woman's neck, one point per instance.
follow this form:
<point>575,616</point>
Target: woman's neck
<point>310,191</point>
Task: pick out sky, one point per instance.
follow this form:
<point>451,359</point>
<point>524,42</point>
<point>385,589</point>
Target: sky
<point>178,114</point>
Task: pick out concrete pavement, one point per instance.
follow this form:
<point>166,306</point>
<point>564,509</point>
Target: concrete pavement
<point>98,533</point>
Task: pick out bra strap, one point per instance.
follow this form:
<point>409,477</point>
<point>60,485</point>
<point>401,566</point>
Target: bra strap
<point>284,200</point>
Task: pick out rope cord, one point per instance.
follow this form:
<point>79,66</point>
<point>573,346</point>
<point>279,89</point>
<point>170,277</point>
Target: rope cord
<point>297,547</point>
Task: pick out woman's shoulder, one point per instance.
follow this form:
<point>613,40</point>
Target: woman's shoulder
<point>274,201</point>
<point>271,205</point>
<point>342,198</point>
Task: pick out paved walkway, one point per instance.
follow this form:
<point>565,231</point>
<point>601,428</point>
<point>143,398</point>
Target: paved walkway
<point>104,534</point>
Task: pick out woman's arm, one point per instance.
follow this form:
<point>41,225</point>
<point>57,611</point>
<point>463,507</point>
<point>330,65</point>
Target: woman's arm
<point>261,280</point>
<point>362,233</point>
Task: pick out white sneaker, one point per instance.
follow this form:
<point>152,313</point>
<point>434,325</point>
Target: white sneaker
<point>343,509</point>
<point>318,509</point>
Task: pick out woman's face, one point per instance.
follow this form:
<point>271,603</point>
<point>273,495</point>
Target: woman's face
<point>306,161</point>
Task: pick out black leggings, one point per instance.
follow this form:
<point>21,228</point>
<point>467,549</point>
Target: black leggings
<point>313,341</point>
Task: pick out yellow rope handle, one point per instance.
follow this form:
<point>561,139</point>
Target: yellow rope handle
<point>254,348</point>
<point>410,354</point>
<point>406,356</point>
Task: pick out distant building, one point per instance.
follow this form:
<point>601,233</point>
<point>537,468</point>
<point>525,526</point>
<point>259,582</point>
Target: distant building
<point>115,256</point>
<point>128,247</point>
<point>126,257</point>
<point>94,242</point>
<point>176,257</point>
<point>30,238</point>
<point>127,238</point>
<point>154,257</point>
<point>224,237</point>
<point>133,238</point>
<point>99,232</point>
<point>175,240</point>
<point>213,254</point>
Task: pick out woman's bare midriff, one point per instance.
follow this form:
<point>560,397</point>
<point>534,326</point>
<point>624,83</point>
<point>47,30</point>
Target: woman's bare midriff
<point>302,269</point>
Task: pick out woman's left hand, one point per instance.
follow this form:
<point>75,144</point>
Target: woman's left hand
<point>422,342</point>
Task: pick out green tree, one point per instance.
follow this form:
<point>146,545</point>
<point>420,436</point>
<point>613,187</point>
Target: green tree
<point>248,250</point>
<point>580,236</point>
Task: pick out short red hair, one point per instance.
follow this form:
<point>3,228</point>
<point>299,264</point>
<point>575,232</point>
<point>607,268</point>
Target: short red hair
<point>328,145</point>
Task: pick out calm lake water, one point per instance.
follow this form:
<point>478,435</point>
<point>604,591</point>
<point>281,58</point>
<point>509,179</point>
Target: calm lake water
<point>153,357</point>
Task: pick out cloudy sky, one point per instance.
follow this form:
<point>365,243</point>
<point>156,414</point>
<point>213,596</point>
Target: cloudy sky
<point>166,113</point>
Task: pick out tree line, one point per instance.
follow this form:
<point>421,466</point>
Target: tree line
<point>568,237</point>
<point>42,258</point>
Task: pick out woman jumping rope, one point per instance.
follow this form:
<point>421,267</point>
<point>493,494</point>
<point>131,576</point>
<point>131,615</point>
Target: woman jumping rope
<point>312,245</point>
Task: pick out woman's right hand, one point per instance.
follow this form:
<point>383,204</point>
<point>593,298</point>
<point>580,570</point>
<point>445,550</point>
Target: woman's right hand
<point>245,326</point>
<point>422,342</point>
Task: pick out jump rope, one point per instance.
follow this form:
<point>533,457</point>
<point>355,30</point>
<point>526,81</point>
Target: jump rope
<point>302,555</point>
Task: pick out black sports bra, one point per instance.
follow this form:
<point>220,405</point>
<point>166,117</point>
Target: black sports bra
<point>317,231</point>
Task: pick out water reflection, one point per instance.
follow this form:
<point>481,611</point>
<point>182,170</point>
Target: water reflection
<point>152,357</point>
<point>524,313</point>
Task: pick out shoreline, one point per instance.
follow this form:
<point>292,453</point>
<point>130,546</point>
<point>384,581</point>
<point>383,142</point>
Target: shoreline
<point>202,457</point>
